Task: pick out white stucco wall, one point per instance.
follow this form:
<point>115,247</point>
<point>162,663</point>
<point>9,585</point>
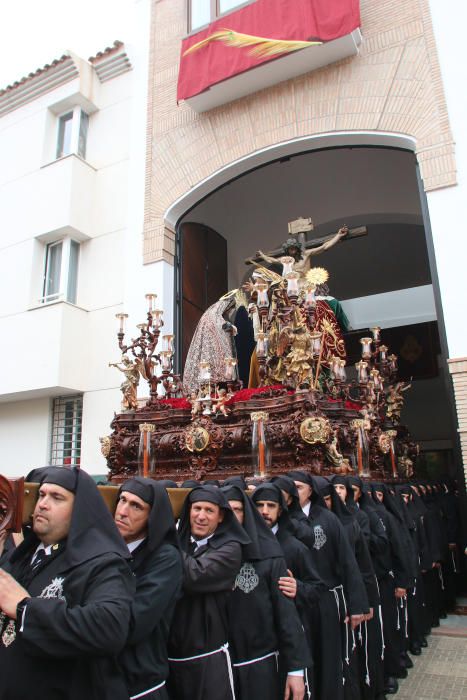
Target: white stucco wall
<point>62,348</point>
<point>24,436</point>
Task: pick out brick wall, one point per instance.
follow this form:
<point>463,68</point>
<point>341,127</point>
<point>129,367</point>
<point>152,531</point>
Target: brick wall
<point>458,369</point>
<point>394,85</point>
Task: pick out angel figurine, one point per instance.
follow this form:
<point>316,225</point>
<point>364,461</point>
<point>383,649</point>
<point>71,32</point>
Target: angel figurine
<point>395,400</point>
<point>220,401</point>
<point>129,386</point>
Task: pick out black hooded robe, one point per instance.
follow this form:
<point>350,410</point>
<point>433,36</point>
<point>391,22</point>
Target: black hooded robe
<point>264,627</point>
<point>336,566</point>
<point>199,658</point>
<point>64,646</point>
<point>393,571</point>
<point>157,567</point>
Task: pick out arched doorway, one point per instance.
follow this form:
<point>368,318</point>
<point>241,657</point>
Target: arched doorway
<point>385,277</point>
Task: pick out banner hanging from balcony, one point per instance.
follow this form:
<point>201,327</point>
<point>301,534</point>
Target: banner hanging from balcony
<point>257,33</point>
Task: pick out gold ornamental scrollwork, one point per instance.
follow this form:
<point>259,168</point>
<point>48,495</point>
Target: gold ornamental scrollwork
<point>106,444</point>
<point>385,439</point>
<point>315,429</point>
<point>197,438</point>
<point>259,415</point>
<point>147,427</point>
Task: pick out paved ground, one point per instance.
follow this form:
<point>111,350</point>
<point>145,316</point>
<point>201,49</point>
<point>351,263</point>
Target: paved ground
<point>440,673</point>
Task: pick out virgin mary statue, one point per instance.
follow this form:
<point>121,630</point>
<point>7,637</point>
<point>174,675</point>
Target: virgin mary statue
<point>212,342</point>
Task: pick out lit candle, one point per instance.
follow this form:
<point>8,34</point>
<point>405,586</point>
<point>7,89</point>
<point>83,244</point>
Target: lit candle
<point>230,364</point>
<point>204,371</point>
<point>292,284</point>
<point>383,353</point>
<point>261,344</point>
<point>393,363</point>
<point>342,373</point>
<point>366,348</point>
<point>361,368</point>
<point>315,342</point>
<point>287,264</point>
<point>168,341</point>
<point>157,321</point>
<point>374,373</point>
<point>165,356</point>
<point>262,301</point>
<point>151,298</point>
<point>121,319</point>
<point>376,330</point>
<point>310,299</point>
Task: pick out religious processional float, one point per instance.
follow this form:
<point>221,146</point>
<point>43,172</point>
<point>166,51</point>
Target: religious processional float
<point>302,409</point>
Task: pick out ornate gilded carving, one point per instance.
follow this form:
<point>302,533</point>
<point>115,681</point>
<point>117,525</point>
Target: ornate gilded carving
<point>315,429</point>
<point>105,445</point>
<point>196,438</point>
<point>385,439</point>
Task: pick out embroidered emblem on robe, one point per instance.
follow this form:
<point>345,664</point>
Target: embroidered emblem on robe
<point>247,578</point>
<point>9,635</point>
<point>54,589</point>
<point>320,537</point>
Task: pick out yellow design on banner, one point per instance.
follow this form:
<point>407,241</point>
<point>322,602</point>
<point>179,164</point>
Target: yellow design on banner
<point>261,46</point>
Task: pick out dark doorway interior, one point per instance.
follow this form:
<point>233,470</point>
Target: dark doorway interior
<point>203,277</point>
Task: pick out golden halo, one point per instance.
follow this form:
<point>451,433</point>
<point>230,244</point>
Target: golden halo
<point>317,275</point>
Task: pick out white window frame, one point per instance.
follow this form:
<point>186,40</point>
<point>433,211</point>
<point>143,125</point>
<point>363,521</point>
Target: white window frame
<point>78,116</point>
<point>214,13</point>
<point>65,269</point>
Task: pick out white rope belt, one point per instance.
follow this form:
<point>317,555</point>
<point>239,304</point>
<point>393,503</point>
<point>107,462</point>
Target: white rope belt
<point>146,692</point>
<point>380,613</point>
<point>363,633</point>
<point>254,661</point>
<point>441,579</point>
<point>224,649</point>
<point>336,590</point>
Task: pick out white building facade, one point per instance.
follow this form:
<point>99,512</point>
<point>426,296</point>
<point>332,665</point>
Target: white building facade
<point>72,138</point>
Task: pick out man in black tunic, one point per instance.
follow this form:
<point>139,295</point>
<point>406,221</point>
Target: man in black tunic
<point>342,608</point>
<point>66,598</point>
<point>393,573</point>
<point>145,520</point>
<point>369,637</point>
<point>211,540</point>
<point>264,623</point>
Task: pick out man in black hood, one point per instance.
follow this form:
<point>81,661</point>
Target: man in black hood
<point>264,624</point>
<point>211,540</point>
<point>393,571</point>
<point>145,520</point>
<point>344,603</point>
<point>66,598</point>
<point>370,644</point>
<point>303,584</point>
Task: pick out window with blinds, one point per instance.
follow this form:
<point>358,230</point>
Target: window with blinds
<point>65,447</point>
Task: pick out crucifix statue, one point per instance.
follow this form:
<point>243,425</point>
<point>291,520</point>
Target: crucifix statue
<point>294,247</point>
<point>301,251</point>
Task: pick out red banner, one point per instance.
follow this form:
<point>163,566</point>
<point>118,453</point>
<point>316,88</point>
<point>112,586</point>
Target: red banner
<point>298,20</point>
